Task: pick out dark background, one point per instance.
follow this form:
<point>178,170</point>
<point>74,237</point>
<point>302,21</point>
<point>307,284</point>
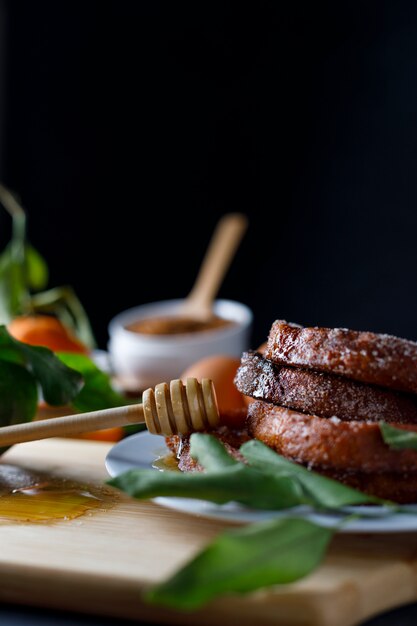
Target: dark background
<point>129,128</point>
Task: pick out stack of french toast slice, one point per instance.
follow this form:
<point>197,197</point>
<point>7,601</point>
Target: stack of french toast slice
<point>318,397</point>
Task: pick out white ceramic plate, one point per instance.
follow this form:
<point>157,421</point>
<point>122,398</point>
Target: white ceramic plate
<point>143,449</point>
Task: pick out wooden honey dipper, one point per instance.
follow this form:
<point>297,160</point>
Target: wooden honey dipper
<point>166,410</point>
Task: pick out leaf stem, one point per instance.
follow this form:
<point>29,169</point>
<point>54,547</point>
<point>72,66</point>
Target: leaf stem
<point>16,212</point>
<point>77,318</point>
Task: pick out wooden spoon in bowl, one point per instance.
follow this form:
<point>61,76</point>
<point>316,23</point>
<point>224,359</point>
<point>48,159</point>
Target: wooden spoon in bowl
<point>229,231</point>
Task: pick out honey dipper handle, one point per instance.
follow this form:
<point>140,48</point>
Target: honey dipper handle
<point>72,424</point>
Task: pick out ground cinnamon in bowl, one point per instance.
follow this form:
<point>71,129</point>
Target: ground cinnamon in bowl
<point>176,325</point>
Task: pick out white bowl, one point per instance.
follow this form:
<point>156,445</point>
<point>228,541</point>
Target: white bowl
<point>145,360</point>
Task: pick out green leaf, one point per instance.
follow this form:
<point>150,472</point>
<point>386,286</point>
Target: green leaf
<point>239,561</point>
<point>97,392</point>
<point>268,482</point>
<point>323,492</point>
<point>262,554</point>
<point>11,353</point>
<point>60,384</point>
<point>398,438</point>
<point>236,483</point>
<point>37,274</point>
<point>18,393</point>
<point>210,452</point>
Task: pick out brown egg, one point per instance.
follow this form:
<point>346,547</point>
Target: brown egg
<point>221,369</point>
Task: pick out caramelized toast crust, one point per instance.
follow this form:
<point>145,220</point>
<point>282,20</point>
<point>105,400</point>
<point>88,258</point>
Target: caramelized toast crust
<point>322,394</point>
<point>378,359</point>
<point>385,485</point>
<point>328,444</point>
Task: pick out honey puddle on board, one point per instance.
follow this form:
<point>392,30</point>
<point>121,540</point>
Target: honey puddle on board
<point>30,496</point>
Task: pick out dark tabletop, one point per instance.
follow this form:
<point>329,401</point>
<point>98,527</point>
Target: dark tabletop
<point>11,615</point>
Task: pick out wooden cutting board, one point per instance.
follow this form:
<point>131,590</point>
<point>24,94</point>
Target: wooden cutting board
<point>99,563</point>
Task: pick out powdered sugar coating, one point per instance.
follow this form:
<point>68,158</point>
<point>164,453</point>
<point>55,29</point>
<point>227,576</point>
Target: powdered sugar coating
<point>318,393</point>
<point>379,359</point>
<point>320,443</point>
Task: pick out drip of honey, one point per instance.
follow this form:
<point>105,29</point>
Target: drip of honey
<point>166,462</point>
<point>30,496</point>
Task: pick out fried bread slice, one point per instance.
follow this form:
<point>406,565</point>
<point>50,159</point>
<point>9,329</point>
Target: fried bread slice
<point>328,443</point>
<point>385,485</point>
<point>322,394</point>
<point>368,357</point>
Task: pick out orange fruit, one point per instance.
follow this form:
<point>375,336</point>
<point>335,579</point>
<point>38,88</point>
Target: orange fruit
<point>107,434</point>
<point>45,330</point>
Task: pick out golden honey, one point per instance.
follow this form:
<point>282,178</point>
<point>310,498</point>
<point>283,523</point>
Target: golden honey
<point>31,496</point>
<point>166,462</point>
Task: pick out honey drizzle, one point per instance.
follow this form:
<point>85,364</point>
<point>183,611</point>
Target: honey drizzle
<point>166,462</point>
<point>30,496</point>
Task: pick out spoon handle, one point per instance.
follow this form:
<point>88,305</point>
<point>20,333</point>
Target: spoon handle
<point>226,238</point>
